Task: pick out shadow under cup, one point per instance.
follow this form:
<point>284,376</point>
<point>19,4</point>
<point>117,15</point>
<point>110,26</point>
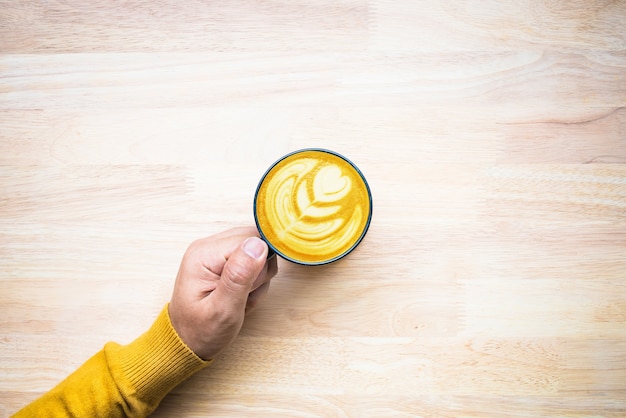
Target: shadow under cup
<point>313,206</point>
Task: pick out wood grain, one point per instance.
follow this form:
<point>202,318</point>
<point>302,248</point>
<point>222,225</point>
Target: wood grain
<point>493,136</point>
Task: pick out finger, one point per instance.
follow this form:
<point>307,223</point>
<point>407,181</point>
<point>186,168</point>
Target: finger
<point>239,273</point>
<point>217,249</point>
<point>272,267</point>
<point>269,271</point>
<point>256,296</point>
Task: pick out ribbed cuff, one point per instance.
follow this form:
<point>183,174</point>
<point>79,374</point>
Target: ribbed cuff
<point>157,361</point>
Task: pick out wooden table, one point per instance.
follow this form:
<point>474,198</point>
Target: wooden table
<point>493,135</point>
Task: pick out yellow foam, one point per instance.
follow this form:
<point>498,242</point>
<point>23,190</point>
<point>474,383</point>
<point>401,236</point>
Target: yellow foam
<point>313,206</point>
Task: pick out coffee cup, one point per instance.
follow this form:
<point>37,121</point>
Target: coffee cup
<point>313,206</point>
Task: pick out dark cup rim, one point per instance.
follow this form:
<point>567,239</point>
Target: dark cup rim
<point>345,253</point>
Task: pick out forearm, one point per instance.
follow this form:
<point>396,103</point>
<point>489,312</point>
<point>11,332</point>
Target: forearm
<point>123,381</point>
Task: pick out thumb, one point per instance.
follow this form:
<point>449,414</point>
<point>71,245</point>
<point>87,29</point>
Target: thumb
<point>239,273</point>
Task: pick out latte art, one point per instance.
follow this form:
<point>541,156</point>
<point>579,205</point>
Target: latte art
<point>313,206</point>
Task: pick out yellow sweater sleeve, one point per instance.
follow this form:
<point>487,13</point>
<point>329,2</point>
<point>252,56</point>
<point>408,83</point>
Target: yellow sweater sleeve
<point>122,381</point>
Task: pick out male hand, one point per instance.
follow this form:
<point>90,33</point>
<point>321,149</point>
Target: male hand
<point>220,279</point>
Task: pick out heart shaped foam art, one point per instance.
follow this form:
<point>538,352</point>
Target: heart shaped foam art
<point>313,206</point>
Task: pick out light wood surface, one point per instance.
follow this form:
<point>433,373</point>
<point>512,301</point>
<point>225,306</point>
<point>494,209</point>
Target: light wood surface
<point>493,135</point>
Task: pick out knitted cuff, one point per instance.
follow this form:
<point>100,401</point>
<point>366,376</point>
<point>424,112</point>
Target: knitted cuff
<point>157,361</point>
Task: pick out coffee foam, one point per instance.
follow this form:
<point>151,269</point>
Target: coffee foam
<point>313,206</point>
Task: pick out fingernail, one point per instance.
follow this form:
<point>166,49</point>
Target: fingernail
<point>254,247</point>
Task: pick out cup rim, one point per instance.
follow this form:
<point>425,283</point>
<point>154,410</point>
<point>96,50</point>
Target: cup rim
<point>316,263</point>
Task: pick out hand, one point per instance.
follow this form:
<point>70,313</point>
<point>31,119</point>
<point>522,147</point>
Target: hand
<point>221,278</point>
